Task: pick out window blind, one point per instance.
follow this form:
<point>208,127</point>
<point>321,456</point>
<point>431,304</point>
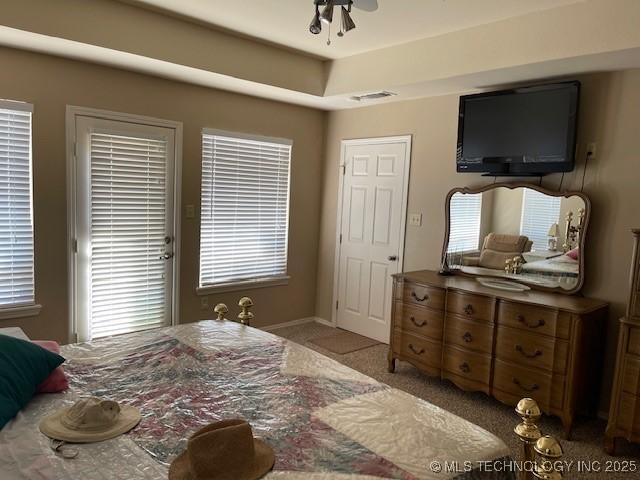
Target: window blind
<point>539,212</point>
<point>128,208</point>
<point>16,219</point>
<point>244,208</point>
<point>464,224</point>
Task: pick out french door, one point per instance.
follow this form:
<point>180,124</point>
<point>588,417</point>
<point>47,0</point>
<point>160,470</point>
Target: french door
<point>124,207</point>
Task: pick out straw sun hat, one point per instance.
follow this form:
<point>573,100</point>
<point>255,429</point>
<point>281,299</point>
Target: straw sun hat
<point>224,450</point>
<point>90,420</point>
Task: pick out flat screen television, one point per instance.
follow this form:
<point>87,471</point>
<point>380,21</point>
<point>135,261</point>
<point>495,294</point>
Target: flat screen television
<point>521,131</point>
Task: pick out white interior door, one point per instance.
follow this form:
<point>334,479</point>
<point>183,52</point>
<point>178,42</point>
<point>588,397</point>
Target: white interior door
<point>374,195</point>
<point>124,226</point>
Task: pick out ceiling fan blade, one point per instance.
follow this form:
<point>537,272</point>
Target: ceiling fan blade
<point>366,5</point>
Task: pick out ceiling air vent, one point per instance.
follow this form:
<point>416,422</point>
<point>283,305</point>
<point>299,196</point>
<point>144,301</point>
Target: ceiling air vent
<point>372,96</point>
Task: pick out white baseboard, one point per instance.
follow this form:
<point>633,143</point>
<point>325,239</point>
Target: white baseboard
<point>299,321</point>
<point>322,321</point>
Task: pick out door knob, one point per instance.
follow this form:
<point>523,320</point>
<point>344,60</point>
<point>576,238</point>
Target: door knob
<point>392,258</point>
<point>166,256</point>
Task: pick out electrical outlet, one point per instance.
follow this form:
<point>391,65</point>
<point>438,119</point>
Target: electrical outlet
<point>191,211</point>
<point>204,303</point>
<point>591,149</point>
<point>415,219</point>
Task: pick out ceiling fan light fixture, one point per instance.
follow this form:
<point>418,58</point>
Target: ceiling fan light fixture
<point>347,22</point>
<point>327,13</point>
<point>316,24</point>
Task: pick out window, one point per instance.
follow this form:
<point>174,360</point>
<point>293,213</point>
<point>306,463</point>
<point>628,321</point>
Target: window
<point>539,212</point>
<point>464,228</point>
<point>244,209</point>
<point>16,218</point>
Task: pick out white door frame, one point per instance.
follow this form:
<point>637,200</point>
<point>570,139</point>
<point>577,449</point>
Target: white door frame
<point>71,113</point>
<point>406,139</point>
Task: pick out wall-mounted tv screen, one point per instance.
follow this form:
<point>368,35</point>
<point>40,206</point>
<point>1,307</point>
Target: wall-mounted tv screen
<point>522,131</point>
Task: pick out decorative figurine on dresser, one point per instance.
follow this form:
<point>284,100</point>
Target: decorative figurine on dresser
<point>508,332</point>
<point>624,412</point>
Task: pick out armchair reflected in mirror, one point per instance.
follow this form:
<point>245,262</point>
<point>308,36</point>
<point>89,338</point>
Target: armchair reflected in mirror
<point>518,232</point>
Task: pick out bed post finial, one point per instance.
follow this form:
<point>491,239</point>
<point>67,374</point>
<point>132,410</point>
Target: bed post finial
<point>221,310</point>
<point>245,316</point>
<point>528,432</point>
<point>548,466</point>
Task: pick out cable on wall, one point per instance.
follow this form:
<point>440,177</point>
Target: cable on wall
<point>561,182</point>
<point>584,171</point>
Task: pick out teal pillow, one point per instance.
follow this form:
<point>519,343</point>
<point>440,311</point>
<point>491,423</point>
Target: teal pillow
<point>23,366</point>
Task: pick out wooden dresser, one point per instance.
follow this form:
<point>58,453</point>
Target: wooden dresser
<point>546,346</point>
<point>624,412</point>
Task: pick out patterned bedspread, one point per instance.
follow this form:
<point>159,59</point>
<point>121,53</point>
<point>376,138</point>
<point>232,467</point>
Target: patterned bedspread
<point>324,420</point>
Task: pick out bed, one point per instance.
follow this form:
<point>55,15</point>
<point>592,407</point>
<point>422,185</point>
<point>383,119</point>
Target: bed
<point>558,266</point>
<point>324,420</point>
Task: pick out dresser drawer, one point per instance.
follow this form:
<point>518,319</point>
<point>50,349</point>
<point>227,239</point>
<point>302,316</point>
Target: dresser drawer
<point>425,296</point>
<point>628,418</point>
<point>534,319</point>
<point>531,349</point>
<point>470,306</point>
<point>468,334</point>
<point>634,340</point>
<point>631,374</point>
<point>520,382</point>
<point>464,363</point>
<point>420,320</point>
<point>419,349</point>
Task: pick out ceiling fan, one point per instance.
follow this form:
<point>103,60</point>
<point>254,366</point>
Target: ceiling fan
<point>346,22</point>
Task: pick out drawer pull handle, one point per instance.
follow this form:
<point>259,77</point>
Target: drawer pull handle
<point>467,337</point>
<point>523,320</point>
<point>464,367</point>
<point>415,322</point>
<point>414,350</point>
<point>535,354</point>
<point>532,388</point>
<point>415,295</point>
<point>468,309</point>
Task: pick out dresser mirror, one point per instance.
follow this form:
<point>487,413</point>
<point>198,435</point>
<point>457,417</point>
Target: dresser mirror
<point>517,232</point>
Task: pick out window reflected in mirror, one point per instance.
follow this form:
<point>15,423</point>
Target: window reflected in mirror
<point>517,233</point>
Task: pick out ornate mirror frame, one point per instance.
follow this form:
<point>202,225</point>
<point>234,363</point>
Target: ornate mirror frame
<point>513,186</point>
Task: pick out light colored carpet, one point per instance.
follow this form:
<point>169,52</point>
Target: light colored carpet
<point>499,419</point>
<point>343,341</point>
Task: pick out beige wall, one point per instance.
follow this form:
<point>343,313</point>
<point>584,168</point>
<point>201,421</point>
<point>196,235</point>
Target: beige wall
<point>609,115</point>
<point>51,83</point>
<point>538,43</point>
<point>128,28</point>
<point>507,211</point>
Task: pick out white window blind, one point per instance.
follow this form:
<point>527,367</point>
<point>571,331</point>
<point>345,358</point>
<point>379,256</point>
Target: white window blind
<point>16,219</point>
<point>464,224</point>
<point>244,208</point>
<point>128,211</point>
<point>539,212</point>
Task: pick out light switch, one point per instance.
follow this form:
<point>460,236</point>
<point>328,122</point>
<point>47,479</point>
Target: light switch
<point>191,211</point>
<point>415,219</point>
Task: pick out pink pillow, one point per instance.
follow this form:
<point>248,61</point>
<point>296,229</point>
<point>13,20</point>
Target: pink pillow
<point>57,380</point>
<point>574,253</point>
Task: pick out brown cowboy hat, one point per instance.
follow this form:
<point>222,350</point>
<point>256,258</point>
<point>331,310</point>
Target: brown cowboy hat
<point>224,450</point>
